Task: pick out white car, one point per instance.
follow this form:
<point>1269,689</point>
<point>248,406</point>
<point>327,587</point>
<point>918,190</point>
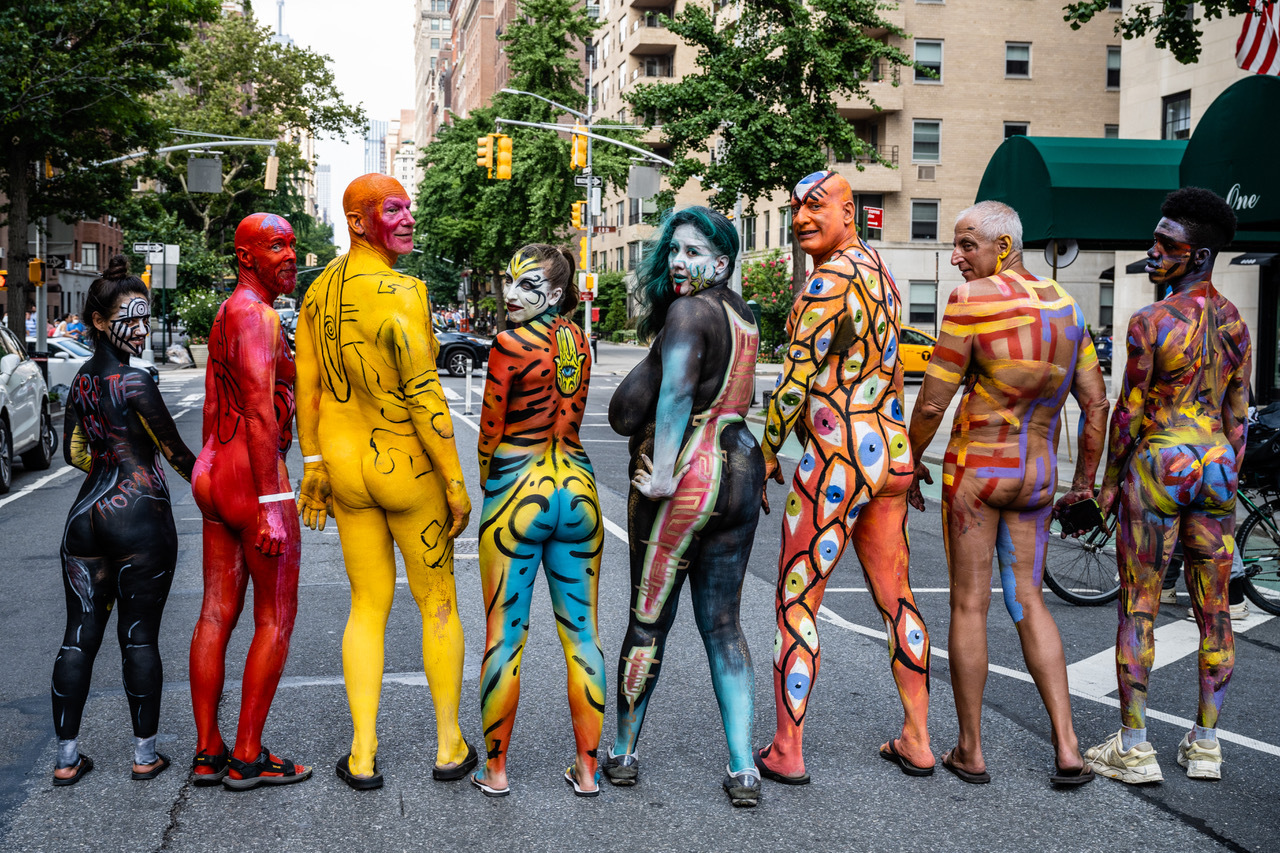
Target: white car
<point>67,356</point>
<point>26,425</point>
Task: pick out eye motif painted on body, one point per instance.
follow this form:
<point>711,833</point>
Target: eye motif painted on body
<point>568,363</point>
<point>798,681</point>
<point>797,582</point>
<point>131,325</point>
<point>871,450</point>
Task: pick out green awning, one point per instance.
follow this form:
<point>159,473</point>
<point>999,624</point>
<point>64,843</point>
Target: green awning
<point>1103,193</point>
<point>1234,153</point>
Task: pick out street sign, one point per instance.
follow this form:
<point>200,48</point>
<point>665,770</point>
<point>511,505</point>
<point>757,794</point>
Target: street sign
<point>147,248</point>
<point>588,180</point>
<point>875,217</point>
<point>587,295</point>
<point>605,229</point>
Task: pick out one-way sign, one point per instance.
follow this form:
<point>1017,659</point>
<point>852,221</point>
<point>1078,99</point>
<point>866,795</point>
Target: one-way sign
<point>588,180</point>
<point>147,248</point>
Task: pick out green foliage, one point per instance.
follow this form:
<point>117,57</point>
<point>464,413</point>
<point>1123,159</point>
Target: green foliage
<point>75,80</point>
<point>768,282</point>
<point>198,309</point>
<point>147,221</point>
<point>611,299</point>
<point>1172,21</point>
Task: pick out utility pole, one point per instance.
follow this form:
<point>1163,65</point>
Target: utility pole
<point>589,219</point>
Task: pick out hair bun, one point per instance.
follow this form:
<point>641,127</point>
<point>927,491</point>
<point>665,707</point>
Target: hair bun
<point>117,268</point>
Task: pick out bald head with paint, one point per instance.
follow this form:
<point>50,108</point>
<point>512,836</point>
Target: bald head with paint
<point>988,240</point>
<point>378,217</point>
<point>266,253</point>
<point>823,214</point>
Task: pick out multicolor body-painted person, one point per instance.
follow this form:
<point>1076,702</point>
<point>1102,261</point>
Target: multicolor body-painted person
<point>842,381</point>
<point>1017,344</point>
<point>378,454</point>
<point>251,528</point>
<point>540,507</point>
<point>697,478</point>
<point>120,546</point>
<point>1176,444</point>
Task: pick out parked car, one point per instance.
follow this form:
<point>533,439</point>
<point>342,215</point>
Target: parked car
<point>26,424</point>
<point>457,347</point>
<point>1102,345</point>
<point>915,348</point>
<point>67,356</point>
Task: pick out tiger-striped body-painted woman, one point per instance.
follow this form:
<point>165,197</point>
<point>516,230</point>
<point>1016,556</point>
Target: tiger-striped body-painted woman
<point>540,507</point>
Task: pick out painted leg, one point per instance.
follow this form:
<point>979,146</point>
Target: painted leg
<point>225,580</point>
<point>880,541</point>
<point>143,582</point>
<point>88,609</point>
<point>1208,544</point>
<point>371,569</point>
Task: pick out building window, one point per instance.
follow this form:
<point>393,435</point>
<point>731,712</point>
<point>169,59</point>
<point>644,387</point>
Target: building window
<point>658,66</point>
<point>929,55</point>
<point>435,24</point>
<point>926,136</point>
<point>1113,67</point>
<point>89,255</point>
<point>1015,128</point>
<point>924,219</point>
<point>622,213</point>
<point>439,5</point>
<point>633,254</point>
<point>866,200</point>
<point>621,256</point>
<point>748,233</point>
<point>433,63</point>
<point>435,44</point>
<point>1115,6</point>
<point>923,311</point>
<point>766,229</point>
<point>1017,59</point>
<point>1111,131</point>
<point>1177,116</point>
<point>784,226</point>
<point>444,25</point>
<point>634,218</point>
<point>1106,299</point>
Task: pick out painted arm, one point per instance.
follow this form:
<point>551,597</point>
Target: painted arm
<point>948,366</point>
<point>146,401</point>
<point>1126,419</point>
<point>414,348</point>
<point>75,444</point>
<point>1235,404</point>
<point>315,497</point>
<point>683,351</point>
<point>1090,390</point>
<point>503,366</point>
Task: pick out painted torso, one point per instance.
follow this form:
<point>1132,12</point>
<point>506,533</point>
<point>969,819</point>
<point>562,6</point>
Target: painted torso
<point>227,349</point>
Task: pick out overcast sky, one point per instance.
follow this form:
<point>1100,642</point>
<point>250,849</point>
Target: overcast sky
<point>370,43</point>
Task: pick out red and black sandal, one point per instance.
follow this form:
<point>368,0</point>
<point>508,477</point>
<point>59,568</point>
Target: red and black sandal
<point>218,766</point>
<point>267,770</point>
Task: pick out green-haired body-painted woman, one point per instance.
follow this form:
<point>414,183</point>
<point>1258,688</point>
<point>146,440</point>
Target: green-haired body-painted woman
<point>693,509</point>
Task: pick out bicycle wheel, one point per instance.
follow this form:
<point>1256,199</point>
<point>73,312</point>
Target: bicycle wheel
<point>1083,571</point>
<point>1259,543</point>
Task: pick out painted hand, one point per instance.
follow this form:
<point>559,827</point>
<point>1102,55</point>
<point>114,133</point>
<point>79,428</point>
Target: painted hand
<point>914,496</point>
<point>271,533</point>
<point>1107,500</point>
<point>315,499</point>
<point>568,363</point>
<point>652,487</point>
<point>459,507</point>
<point>772,471</point>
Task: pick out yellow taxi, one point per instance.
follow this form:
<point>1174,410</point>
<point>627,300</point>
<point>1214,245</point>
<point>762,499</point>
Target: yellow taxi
<point>915,348</point>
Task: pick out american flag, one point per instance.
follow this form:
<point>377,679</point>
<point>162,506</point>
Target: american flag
<point>1258,48</point>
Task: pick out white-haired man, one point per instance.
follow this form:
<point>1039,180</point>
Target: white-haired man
<point>1018,345</point>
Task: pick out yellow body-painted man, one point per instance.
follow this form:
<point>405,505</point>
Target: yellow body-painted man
<point>379,456</point>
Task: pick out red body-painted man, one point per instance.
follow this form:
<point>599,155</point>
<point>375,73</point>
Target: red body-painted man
<point>250,525</point>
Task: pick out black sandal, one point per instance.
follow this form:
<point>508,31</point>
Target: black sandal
<point>266,770</point>
<point>219,764</point>
<point>83,766</point>
<point>358,783</point>
<point>457,771</point>
<point>161,765</point>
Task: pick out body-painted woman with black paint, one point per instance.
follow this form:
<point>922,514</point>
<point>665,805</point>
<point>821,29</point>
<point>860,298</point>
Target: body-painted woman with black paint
<point>697,479</point>
<point>120,545</point>
<point>540,507</point>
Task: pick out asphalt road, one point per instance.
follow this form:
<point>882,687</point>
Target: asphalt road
<point>856,800</point>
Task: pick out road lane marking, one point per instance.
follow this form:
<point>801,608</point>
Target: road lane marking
<point>193,398</point>
<point>466,420</point>
<point>47,478</point>
<point>450,394</point>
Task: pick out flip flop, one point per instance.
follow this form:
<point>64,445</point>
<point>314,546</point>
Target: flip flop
<point>775,776</point>
<point>892,755</point>
<point>457,771</point>
<point>161,766</point>
<point>488,791</point>
<point>1060,778</point>
<point>359,783</point>
<point>571,776</point>
<point>83,766</point>
<point>964,775</point>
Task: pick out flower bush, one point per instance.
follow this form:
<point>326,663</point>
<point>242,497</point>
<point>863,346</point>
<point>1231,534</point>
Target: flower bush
<point>197,308</point>
<point>768,282</point>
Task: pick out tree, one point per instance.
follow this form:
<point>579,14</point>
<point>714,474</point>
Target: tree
<point>1172,21</point>
<point>766,86</point>
<point>479,222</point>
<point>75,80</point>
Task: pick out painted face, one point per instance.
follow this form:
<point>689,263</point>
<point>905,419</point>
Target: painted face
<point>527,289</point>
<point>693,262</point>
<point>272,249</point>
<point>1171,256</point>
<point>131,324</point>
<point>973,254</point>
<point>819,216</point>
<point>392,225</point>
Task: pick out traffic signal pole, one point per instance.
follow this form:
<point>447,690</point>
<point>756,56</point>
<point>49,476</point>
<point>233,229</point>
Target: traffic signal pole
<point>589,219</point>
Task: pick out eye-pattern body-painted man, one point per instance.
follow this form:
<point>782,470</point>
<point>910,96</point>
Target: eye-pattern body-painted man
<point>693,509</point>
<point>1177,440</point>
<point>120,546</point>
<point>842,382</point>
<point>251,528</point>
<point>379,455</point>
<point>1018,345</point>
<point>540,507</point>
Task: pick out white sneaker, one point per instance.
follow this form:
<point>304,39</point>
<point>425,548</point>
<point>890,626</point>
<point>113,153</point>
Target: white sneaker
<point>1238,611</point>
<point>1168,596</point>
<point>1136,766</point>
<point>1202,758</point>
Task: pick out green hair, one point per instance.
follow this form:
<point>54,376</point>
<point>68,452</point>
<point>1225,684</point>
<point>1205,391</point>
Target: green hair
<point>653,278</point>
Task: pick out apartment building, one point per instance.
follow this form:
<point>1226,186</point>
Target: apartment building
<point>1022,71</point>
<point>475,54</point>
<point>432,30</point>
<point>75,254</point>
<point>400,154</point>
<point>438,98</point>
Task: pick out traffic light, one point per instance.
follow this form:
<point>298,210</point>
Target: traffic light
<point>503,164</point>
<point>146,276</point>
<point>35,272</point>
<point>578,207</point>
<point>582,253</point>
<point>4,278</point>
<point>484,152</point>
<point>578,160</point>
